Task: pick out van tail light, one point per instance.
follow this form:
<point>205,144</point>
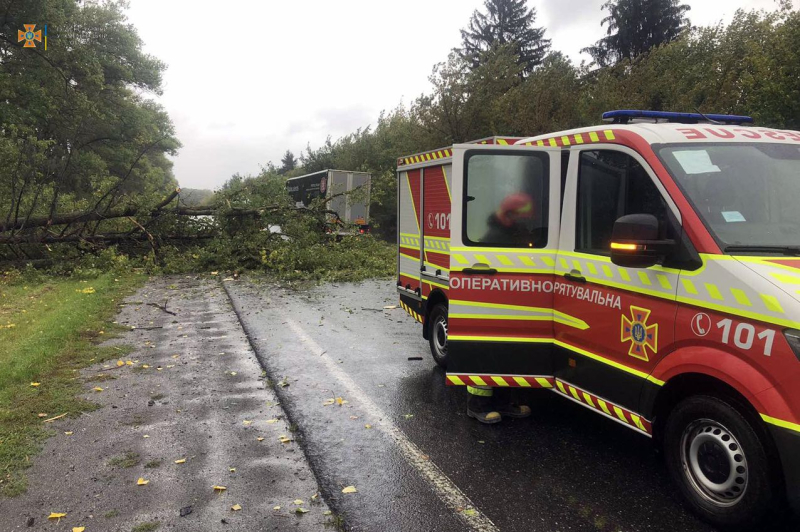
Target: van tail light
<point>793,337</point>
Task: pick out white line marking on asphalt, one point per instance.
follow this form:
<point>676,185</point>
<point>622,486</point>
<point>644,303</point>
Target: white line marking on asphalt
<point>444,488</point>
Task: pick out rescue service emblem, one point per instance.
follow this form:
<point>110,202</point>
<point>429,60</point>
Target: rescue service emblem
<point>641,335</point>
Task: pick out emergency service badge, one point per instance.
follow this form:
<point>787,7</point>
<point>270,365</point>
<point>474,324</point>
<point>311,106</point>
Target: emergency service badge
<point>641,335</point>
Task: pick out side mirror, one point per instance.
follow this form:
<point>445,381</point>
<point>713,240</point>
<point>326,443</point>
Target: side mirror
<point>635,243</point>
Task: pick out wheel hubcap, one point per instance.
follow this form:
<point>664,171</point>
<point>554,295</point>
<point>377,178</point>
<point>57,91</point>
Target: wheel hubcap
<point>440,336</point>
<point>714,462</point>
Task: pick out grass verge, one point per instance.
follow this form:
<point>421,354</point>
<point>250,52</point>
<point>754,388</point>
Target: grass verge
<point>48,332</point>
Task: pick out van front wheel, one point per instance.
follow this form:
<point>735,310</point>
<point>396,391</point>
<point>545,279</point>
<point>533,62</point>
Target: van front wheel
<point>719,462</point>
<point>437,336</point>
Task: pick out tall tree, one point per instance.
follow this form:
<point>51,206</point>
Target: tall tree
<point>506,22</point>
<point>636,26</point>
<point>77,130</point>
<point>288,162</point>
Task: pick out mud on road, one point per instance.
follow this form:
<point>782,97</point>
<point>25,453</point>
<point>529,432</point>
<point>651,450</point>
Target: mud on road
<point>194,392</point>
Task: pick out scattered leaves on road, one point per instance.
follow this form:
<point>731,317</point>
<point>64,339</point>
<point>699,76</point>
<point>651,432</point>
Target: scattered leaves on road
<point>260,438</point>
<point>236,507</point>
<point>298,502</point>
<point>367,426</point>
<point>408,416</point>
<point>36,384</point>
<point>97,389</point>
<point>246,422</point>
<point>78,528</point>
<point>350,489</point>
<point>56,515</point>
<point>270,421</point>
<point>181,461</point>
<point>142,482</point>
<point>300,510</point>
<point>284,439</point>
<point>219,489</point>
<point>68,433</point>
<point>276,508</point>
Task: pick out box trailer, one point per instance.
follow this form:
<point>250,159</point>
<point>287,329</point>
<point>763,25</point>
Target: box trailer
<point>348,194</point>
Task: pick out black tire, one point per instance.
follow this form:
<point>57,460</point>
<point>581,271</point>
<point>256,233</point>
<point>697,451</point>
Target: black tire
<point>719,459</point>
<point>437,337</point>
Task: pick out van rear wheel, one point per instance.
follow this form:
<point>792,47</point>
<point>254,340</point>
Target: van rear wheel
<point>719,461</point>
<point>437,336</point>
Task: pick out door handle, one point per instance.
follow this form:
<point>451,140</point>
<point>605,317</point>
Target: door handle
<point>480,269</point>
<point>576,276</point>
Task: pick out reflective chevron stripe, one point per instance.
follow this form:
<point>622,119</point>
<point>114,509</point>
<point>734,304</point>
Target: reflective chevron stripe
<point>610,410</point>
<point>500,381</point>
<point>411,312</point>
<point>434,155</point>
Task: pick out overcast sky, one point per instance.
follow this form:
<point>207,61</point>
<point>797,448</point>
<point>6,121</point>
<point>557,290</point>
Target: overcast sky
<point>247,79</point>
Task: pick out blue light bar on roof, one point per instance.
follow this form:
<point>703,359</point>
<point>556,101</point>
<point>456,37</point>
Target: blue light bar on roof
<point>626,115</point>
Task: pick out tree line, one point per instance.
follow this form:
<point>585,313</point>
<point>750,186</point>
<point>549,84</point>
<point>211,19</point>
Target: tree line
<point>506,79</point>
<point>83,148</point>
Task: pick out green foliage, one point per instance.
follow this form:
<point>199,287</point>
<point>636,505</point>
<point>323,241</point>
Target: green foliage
<point>48,328</point>
<point>196,197</point>
<point>505,23</point>
<point>636,26</point>
<point>752,66</point>
<point>77,133</point>
<point>288,163</point>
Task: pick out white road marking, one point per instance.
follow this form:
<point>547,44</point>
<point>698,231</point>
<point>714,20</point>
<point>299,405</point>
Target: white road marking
<point>442,486</point>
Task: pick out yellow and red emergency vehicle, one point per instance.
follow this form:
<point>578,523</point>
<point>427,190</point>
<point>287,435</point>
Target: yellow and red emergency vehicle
<point>647,269</point>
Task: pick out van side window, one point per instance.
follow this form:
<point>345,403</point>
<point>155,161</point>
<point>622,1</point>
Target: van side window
<point>507,199</point>
<point>611,184</point>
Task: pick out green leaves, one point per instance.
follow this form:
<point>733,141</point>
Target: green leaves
<point>77,130</point>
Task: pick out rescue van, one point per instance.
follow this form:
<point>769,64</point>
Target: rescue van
<point>647,269</point>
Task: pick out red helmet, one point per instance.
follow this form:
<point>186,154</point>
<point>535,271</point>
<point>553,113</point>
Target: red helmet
<point>516,206</point>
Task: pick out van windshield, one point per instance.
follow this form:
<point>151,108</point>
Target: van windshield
<point>747,194</point>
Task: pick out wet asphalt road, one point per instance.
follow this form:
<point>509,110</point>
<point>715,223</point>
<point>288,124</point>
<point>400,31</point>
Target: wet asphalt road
<point>193,392</point>
<point>564,468</point>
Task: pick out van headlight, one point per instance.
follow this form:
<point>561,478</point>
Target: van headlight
<point>793,337</point>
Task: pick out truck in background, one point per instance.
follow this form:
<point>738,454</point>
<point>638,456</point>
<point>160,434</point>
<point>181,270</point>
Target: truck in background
<point>336,185</point>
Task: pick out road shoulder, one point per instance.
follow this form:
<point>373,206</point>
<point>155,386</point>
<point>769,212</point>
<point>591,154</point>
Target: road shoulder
<point>188,409</point>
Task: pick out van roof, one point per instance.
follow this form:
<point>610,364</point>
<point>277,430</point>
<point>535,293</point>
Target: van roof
<point>668,133</point>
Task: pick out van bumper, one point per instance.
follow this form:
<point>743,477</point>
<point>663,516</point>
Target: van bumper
<point>788,443</point>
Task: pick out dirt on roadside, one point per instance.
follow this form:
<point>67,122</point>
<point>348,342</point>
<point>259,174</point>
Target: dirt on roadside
<point>187,412</point>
